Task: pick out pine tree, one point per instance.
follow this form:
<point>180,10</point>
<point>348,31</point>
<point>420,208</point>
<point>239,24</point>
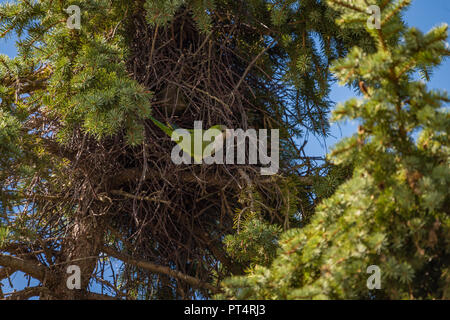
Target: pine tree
<point>86,177</point>
<point>393,212</point>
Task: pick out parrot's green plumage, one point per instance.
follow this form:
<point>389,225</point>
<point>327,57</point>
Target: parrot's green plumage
<point>187,145</point>
<point>167,129</point>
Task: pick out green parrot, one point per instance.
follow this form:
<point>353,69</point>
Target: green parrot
<point>189,146</point>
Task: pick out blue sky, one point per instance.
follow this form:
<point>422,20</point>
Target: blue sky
<point>423,14</point>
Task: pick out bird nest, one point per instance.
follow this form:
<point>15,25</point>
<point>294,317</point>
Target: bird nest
<point>189,208</point>
<point>177,215</point>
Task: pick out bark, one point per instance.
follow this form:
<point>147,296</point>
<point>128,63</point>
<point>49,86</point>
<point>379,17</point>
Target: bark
<point>81,247</point>
<point>33,269</point>
<point>152,267</point>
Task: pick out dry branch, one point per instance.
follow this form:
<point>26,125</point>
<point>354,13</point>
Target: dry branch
<point>33,269</point>
<point>154,268</point>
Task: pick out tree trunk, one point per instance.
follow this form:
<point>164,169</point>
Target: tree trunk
<point>81,248</point>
